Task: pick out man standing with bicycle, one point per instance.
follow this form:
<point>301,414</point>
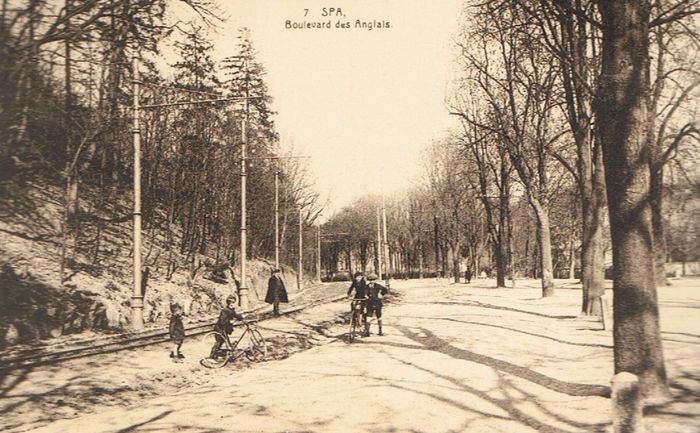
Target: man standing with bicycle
<point>375,293</point>
<point>359,285</point>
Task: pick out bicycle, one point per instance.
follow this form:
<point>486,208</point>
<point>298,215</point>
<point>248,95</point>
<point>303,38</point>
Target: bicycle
<point>356,317</point>
<point>256,350</point>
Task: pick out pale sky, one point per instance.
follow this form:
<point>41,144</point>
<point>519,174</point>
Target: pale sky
<point>362,103</point>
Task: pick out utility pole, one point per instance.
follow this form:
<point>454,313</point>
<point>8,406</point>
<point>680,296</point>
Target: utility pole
<point>420,260</point>
<point>387,278</point>
<point>277,199</point>
<point>437,249</point>
<point>137,296</point>
<point>318,253</point>
<point>379,243</point>
<point>277,219</point>
<point>301,252</point>
<point>243,289</point>
<point>138,291</point>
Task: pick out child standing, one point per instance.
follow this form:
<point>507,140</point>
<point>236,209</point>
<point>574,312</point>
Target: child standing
<point>376,293</point>
<point>177,332</point>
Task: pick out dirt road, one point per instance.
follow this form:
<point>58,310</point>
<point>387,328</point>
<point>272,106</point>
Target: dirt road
<point>455,358</point>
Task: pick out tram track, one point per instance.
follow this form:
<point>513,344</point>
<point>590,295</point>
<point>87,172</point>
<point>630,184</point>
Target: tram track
<point>50,354</point>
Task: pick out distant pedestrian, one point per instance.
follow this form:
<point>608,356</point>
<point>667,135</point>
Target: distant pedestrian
<point>276,291</point>
<point>376,293</point>
<point>177,332</point>
<point>468,275</point>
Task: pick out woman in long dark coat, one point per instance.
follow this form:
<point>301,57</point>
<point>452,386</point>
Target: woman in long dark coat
<point>276,292</point>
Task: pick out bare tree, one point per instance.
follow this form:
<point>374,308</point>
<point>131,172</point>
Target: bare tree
<point>518,83</point>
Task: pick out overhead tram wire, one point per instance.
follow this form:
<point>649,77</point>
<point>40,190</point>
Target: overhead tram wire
<point>137,298</point>
<point>179,89</point>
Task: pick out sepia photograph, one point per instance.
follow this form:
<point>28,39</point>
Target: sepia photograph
<point>361,216</point>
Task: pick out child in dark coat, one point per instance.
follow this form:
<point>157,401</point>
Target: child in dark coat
<point>177,332</point>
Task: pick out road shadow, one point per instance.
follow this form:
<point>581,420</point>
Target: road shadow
<point>433,343</point>
<point>138,426</point>
<point>468,322</point>
<point>684,334</point>
<point>685,388</point>
<point>497,307</point>
<point>515,396</point>
<point>42,396</point>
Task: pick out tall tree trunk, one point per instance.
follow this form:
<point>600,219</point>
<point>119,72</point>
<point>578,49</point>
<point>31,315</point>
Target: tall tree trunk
<point>511,248</point>
<point>71,169</point>
<point>501,256</point>
<point>420,261</point>
<point>454,249</point>
<point>656,166</point>
<point>71,192</point>
<point>526,265</point>
<point>544,234</point>
<point>657,222</point>
<point>572,260</point>
<point>437,246</point>
<point>622,113</point>
<point>592,257</point>
<point>348,261</point>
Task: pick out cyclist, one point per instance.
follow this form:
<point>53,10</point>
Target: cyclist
<point>359,285</point>
<point>375,293</point>
<point>224,325</point>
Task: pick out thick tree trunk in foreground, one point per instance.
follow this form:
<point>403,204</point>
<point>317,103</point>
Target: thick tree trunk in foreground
<point>622,112</point>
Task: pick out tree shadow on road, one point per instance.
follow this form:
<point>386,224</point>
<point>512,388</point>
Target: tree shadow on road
<point>507,404</point>
<point>685,388</point>
<point>468,322</point>
<point>495,307</point>
<point>138,426</point>
<point>41,400</point>
<point>433,343</point>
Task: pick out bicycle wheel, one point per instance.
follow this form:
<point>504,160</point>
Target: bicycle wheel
<point>353,326</point>
<point>222,356</point>
<point>257,349</point>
